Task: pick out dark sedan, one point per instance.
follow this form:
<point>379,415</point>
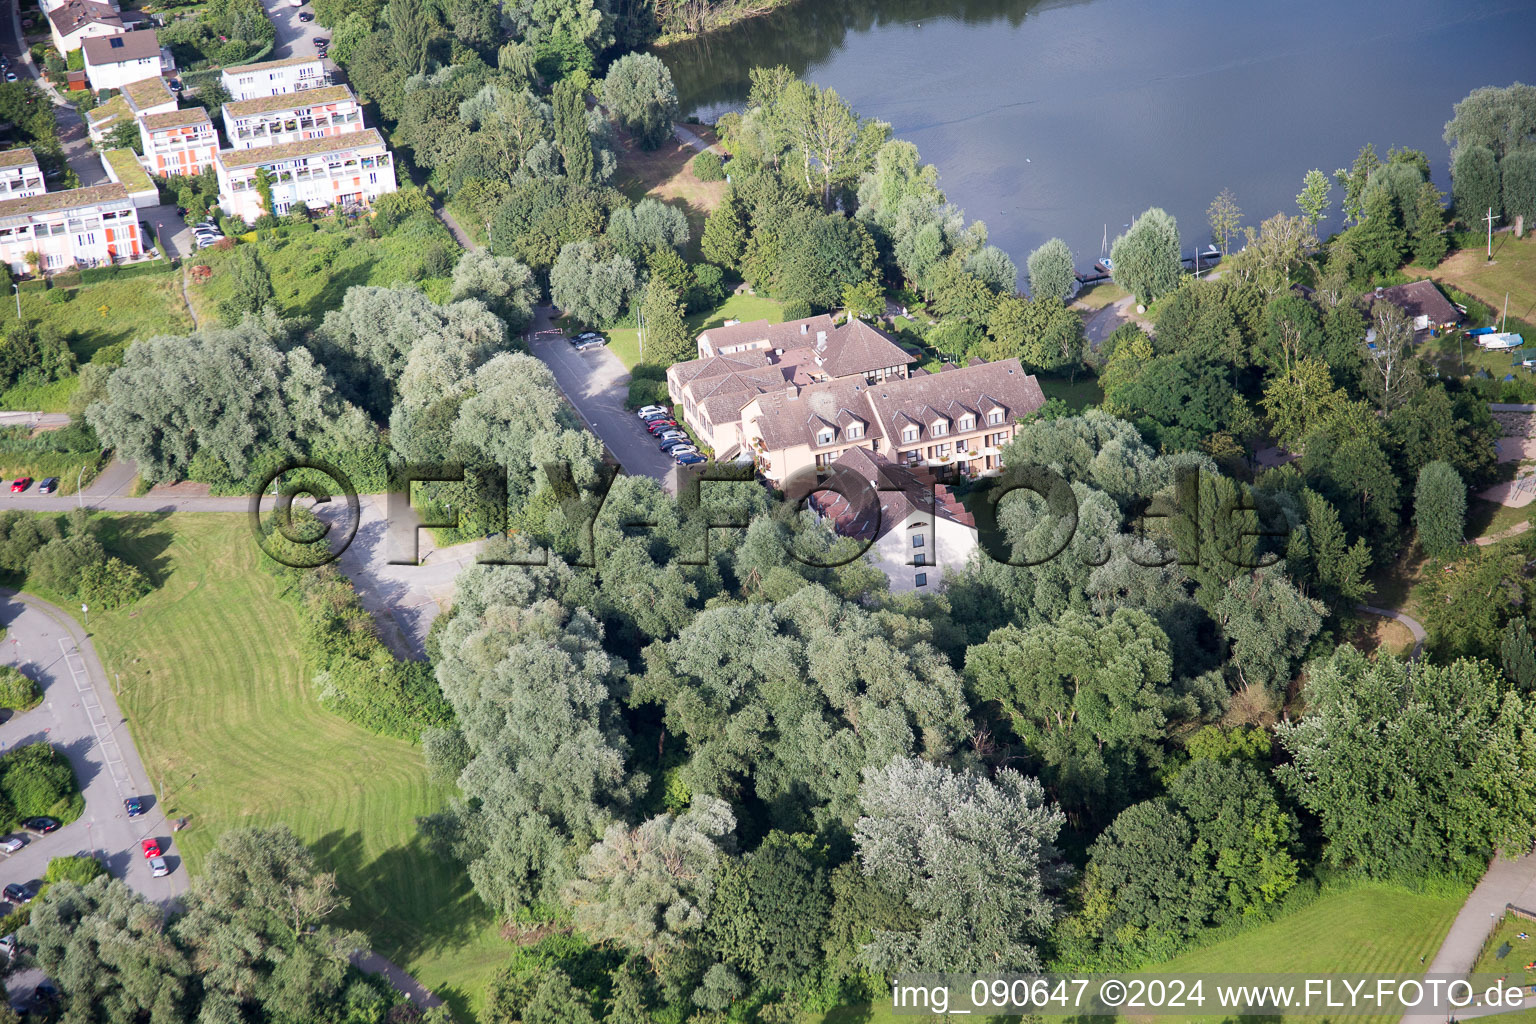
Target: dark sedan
<point>41,825</point>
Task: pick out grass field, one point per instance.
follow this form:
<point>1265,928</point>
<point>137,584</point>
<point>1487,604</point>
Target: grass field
<point>1513,271</point>
<point>624,342</point>
<point>1369,929</point>
<point>220,704</point>
<point>1078,394</point>
<point>98,315</point>
<point>312,272</point>
<point>666,173</point>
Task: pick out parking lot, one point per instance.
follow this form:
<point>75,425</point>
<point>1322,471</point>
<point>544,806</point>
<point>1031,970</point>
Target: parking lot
<point>596,384</point>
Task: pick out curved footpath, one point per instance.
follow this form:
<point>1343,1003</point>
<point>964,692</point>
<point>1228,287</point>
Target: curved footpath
<point>1419,636</point>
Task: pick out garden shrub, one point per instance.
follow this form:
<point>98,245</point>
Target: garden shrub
<point>707,167</point>
<point>18,691</point>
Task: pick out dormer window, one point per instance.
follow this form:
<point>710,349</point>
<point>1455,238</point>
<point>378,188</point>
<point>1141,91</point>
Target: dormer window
<point>967,422</point>
<point>825,437</point>
<point>995,417</point>
<point>940,428</point>
<point>909,434</point>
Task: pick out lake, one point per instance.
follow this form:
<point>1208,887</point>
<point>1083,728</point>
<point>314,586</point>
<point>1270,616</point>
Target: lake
<point>1059,118</point>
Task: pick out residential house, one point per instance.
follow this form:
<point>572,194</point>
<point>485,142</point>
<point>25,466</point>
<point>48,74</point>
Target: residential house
<point>740,361</point>
<point>347,171</point>
<point>1423,302</point>
<point>80,226</point>
<point>112,62</point>
<point>73,22</point>
<point>274,77</point>
<point>20,175</point>
<point>179,142</point>
<point>135,100</point>
<point>917,530</point>
<point>292,117</point>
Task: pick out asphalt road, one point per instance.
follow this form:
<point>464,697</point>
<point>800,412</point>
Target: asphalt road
<point>596,384</point>
<point>79,715</point>
<point>294,37</point>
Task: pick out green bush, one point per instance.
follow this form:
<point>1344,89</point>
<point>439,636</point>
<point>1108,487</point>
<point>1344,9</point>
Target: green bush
<point>18,691</point>
<point>37,780</point>
<point>79,870</point>
<point>796,309</point>
<point>707,167</point>
<point>111,584</point>
<point>58,296</point>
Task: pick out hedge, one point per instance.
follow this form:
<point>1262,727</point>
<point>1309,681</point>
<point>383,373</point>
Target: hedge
<point>18,691</point>
<point>95,275</point>
<point>37,780</point>
<point>37,284</point>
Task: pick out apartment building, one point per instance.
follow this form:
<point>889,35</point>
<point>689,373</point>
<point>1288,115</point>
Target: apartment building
<point>347,170</point>
<point>19,175</point>
<point>292,117</point>
<point>179,142</point>
<point>135,100</point>
<point>80,226</point>
<point>275,77</point>
<point>113,61</point>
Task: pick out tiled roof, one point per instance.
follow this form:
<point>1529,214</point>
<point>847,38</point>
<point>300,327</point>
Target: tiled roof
<point>1421,298</point>
<point>17,157</point>
<point>67,200</point>
<point>794,416</point>
<point>898,492</point>
<point>124,46</point>
<point>239,158</point>
<point>949,395</point>
<point>271,65</point>
<point>148,93</point>
<point>176,119</point>
<point>857,348</point>
<point>289,101</point>
<point>792,334</point>
<point>73,15</point>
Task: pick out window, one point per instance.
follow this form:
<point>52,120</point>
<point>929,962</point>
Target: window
<point>920,559</point>
<point>920,580</point>
<point>917,540</point>
<point>939,428</point>
<point>825,437</point>
<point>966,422</point>
<point>995,417</point>
<point>909,434</point>
<point>854,430</point>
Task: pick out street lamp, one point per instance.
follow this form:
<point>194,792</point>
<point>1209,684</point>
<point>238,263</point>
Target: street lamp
<point>79,477</point>
<point>16,287</point>
<point>86,609</point>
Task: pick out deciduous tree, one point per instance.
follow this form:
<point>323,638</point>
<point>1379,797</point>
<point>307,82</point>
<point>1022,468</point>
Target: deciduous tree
<point>1146,257</point>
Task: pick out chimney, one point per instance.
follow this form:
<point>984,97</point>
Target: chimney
<point>1379,292</point>
<point>821,339</point>
<point>805,328</point>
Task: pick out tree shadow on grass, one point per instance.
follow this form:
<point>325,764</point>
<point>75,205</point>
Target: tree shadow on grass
<point>411,900</point>
<point>142,539</point>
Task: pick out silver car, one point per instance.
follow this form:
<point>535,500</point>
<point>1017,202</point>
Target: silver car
<point>158,867</point>
<point>10,844</point>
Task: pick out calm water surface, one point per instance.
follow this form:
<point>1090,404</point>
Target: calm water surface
<point>1059,118</point>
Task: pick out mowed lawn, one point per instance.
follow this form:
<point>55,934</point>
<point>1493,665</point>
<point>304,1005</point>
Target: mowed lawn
<point>1368,929</point>
<point>221,706</point>
<point>624,342</point>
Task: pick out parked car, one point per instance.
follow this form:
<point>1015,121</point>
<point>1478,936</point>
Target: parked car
<point>174,84</point>
<point>21,484</point>
<point>8,946</point>
<point>48,486</point>
<point>158,867</point>
<point>41,826</point>
<point>133,807</point>
<point>650,410</point>
<point>321,42</point>
<point>10,844</point>
<point>690,459</point>
<point>305,16</point>
<point>659,424</point>
<point>681,449</point>
<point>671,435</point>
<point>21,892</point>
<point>589,336</point>
<point>590,343</point>
<point>10,76</point>
<point>151,848</point>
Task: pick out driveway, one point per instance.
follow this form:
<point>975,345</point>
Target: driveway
<point>596,384</point>
<point>79,716</point>
<point>171,232</point>
<point>294,37</point>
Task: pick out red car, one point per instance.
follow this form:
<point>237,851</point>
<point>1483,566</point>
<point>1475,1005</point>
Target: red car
<point>657,426</point>
<point>151,848</point>
<point>21,484</point>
